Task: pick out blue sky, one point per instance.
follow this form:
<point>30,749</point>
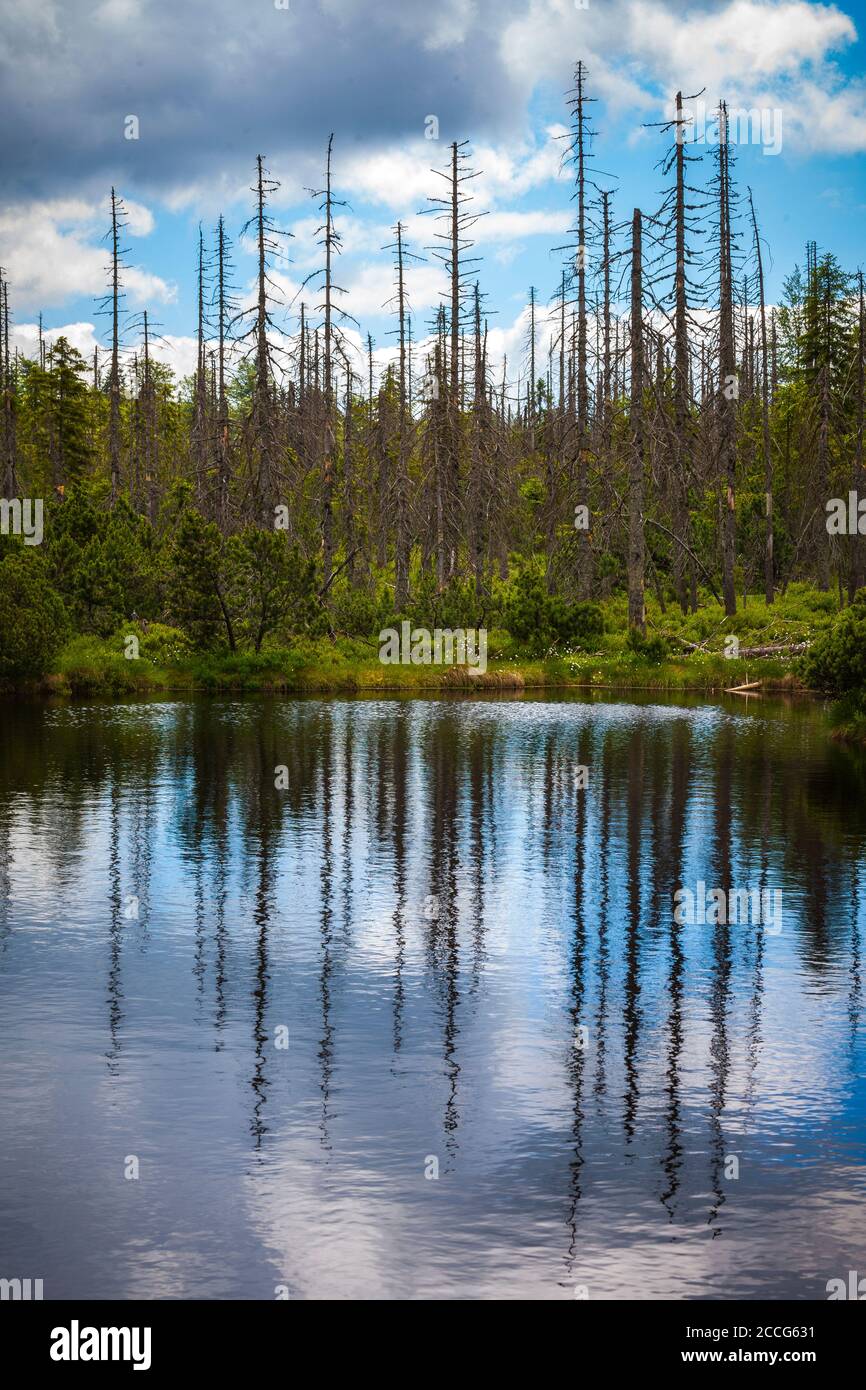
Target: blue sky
<point>213,83</point>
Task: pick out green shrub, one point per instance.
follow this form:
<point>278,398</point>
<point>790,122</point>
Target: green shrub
<point>540,621</point>
<point>457,605</point>
<point>359,613</point>
<point>654,649</point>
<point>33,622</point>
<point>163,645</point>
<point>837,660</point>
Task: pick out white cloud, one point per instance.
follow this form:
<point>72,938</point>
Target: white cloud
<point>139,219</point>
<point>773,53</point>
<point>738,42</point>
<point>508,226</point>
<point>179,353</point>
<point>51,252</point>
<point>82,336</point>
<point>821,121</point>
<point>450,21</point>
<point>402,177</point>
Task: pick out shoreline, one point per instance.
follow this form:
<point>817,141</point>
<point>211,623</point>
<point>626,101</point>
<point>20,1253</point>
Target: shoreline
<point>360,679</point>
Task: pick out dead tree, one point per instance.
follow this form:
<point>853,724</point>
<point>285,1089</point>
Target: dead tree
<point>579,150</point>
<point>7,395</point>
<point>226,309</point>
<point>333,317</point>
<point>150,431</point>
<point>264,471</point>
<point>636,549</point>
<point>682,393</point>
<point>453,213</point>
<point>532,394</point>
<point>200,412</point>
<point>769,566</point>
<point>728,386</point>
<point>402,528</point>
<point>678,228</point>
<point>110,305</point>
<point>857,571</point>
<point>349,490</point>
<point>479,459</point>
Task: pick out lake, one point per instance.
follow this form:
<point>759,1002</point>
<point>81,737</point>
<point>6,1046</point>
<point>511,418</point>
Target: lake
<point>393,999</point>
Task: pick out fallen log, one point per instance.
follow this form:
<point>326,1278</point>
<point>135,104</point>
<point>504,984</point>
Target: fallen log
<point>774,649</point>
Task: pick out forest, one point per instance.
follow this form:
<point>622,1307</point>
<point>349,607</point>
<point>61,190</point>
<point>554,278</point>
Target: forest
<point>676,467</point>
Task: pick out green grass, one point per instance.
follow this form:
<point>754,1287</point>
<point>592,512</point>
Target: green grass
<point>90,665</point>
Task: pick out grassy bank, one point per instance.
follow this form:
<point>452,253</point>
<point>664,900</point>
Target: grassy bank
<point>89,666</point>
<point>96,669</point>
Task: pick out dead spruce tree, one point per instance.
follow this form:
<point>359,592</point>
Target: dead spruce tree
<point>149,424</point>
<point>399,302</point>
<point>225,308</point>
<point>453,214</point>
<point>579,150</point>
<point>480,484</point>
<point>769,564</point>
<point>679,227</point>
<point>728,391</point>
<point>200,424</point>
<point>264,476</point>
<point>857,569</point>
<point>636,549</point>
<point>334,317</point>
<point>8,451</point>
<point>110,305</point>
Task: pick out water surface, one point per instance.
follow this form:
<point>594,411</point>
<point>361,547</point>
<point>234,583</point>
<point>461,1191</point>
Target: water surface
<point>420,1022</point>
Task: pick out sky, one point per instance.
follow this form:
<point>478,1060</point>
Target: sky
<point>204,86</point>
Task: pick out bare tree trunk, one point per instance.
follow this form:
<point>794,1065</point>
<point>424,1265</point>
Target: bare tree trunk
<point>199,432</point>
<point>10,461</point>
<point>114,375</point>
<point>402,535</point>
<point>262,421</point>
<point>349,479</point>
<point>439,427</point>
<point>151,433</point>
<point>636,551</point>
<point>480,482</point>
<point>328,439</point>
<point>682,420</point>
<point>769,567</point>
<point>579,149</point>
<point>223,461</point>
<point>857,573</point>
<point>727,373</point>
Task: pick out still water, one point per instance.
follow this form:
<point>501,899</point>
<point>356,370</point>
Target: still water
<point>376,999</point>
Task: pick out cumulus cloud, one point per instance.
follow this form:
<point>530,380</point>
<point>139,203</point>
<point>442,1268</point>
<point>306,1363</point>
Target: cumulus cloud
<point>213,83</point>
<point>775,53</point>
<point>50,252</point>
<point>178,352</point>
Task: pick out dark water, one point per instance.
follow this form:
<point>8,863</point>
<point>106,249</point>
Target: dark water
<point>477,965</point>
